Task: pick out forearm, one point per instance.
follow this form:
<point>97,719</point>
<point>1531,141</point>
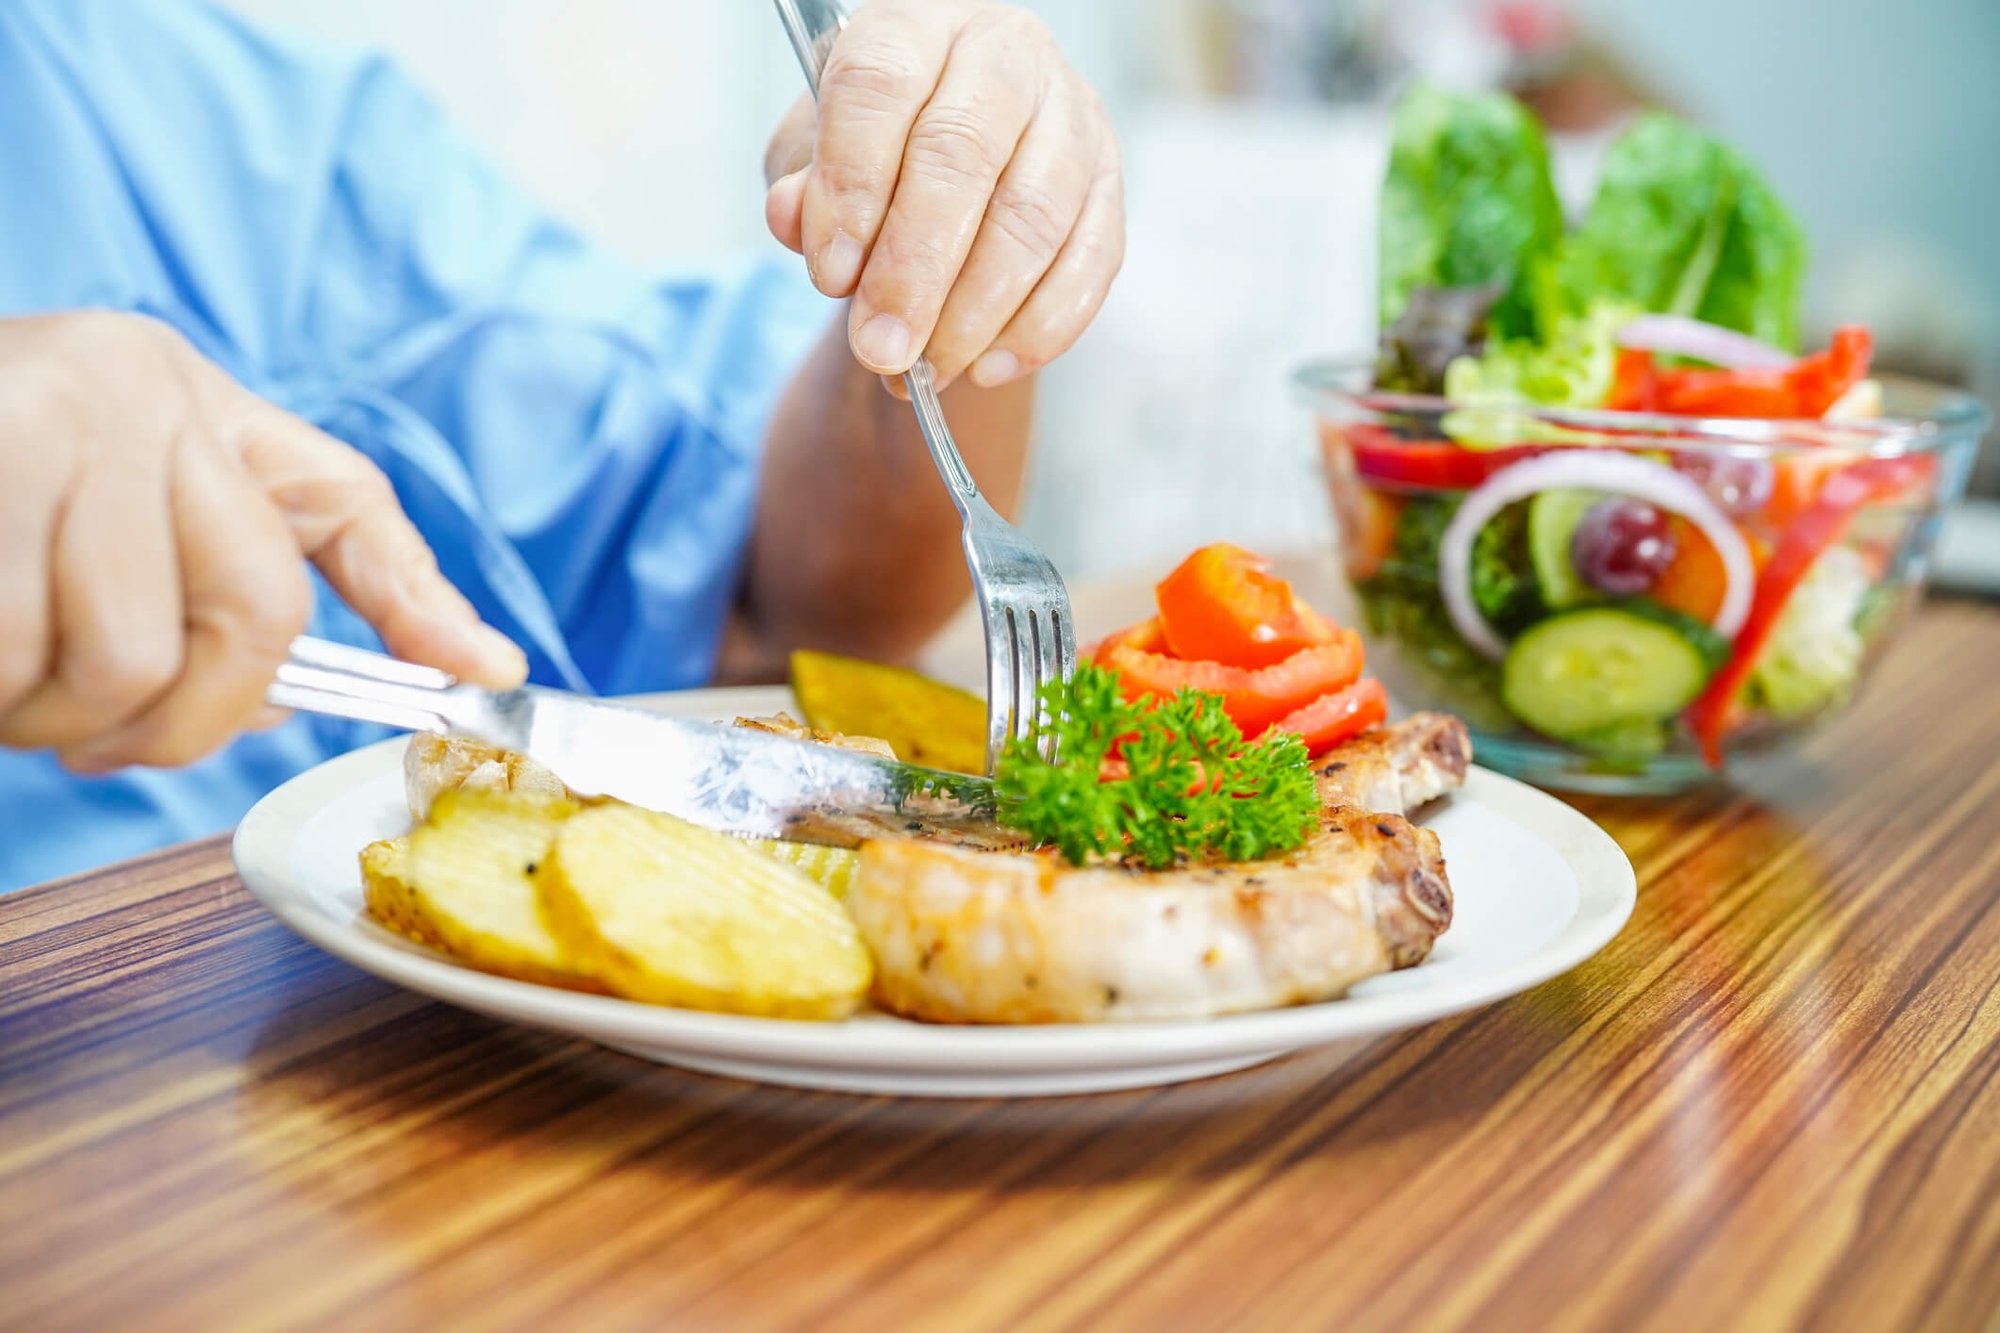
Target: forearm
<point>856,544</point>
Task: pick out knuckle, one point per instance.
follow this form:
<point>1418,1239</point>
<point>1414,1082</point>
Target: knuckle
<point>123,674</point>
<point>953,144</point>
<point>846,176</point>
<point>910,265</point>
<point>1028,214</point>
<point>877,76</point>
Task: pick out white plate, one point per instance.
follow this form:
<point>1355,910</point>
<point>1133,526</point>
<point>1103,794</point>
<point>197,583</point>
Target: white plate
<point>1539,888</point>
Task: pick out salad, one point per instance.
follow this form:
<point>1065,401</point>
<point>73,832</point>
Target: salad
<point>1617,586</point>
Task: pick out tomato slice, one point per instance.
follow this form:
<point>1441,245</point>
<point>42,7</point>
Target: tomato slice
<point>1222,604</point>
<point>1254,697</point>
<point>1695,582</point>
<point>1337,716</point>
<point>1823,523</point>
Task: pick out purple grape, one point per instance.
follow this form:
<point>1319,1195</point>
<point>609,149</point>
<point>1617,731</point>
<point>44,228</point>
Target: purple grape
<point>1740,485</point>
<point>1621,546</point>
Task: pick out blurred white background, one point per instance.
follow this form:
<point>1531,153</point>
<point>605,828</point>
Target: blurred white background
<point>1254,140</point>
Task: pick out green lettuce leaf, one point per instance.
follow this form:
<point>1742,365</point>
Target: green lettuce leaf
<point>1762,268</point>
<point>1571,367</point>
<point>1682,224</point>
<point>1468,202</point>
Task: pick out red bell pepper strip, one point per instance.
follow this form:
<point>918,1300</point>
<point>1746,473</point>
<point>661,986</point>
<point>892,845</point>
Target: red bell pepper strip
<point>1635,382</point>
<point>1823,523</point>
<point>1384,458</point>
<point>1802,391</point>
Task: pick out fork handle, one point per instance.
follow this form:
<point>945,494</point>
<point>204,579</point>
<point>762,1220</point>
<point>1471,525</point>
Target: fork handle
<point>812,26</point>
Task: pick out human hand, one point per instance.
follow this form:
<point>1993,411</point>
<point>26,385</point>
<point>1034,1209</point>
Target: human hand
<point>957,179</point>
<point>155,523</point>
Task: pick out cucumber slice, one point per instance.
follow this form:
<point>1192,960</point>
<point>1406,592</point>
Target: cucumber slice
<point>1623,744</point>
<point>1581,673</point>
<point>1552,520</point>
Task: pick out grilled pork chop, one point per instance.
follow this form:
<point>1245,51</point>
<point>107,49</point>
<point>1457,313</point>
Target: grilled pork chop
<point>964,936</point>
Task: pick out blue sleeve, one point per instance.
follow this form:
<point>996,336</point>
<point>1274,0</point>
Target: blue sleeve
<point>579,439</point>
<point>609,424</point>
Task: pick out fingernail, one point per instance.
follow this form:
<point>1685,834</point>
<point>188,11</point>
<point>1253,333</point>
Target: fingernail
<point>995,367</point>
<point>883,345</point>
<point>838,265</point>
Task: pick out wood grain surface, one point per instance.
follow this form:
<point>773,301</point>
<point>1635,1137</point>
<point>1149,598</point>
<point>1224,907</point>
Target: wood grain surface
<point>1772,1102</point>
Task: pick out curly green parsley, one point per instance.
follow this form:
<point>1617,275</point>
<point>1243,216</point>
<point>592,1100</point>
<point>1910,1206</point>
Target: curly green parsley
<point>1192,787</point>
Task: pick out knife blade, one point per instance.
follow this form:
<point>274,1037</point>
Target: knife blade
<point>733,779</point>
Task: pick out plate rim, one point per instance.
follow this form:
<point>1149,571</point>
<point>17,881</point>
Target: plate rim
<point>1607,892</point>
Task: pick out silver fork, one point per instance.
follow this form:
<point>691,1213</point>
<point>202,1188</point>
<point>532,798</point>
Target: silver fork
<point>1030,638</point>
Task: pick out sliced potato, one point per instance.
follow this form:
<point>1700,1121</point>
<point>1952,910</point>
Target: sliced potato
<point>831,867</point>
<point>388,893</point>
<point>925,721</point>
<point>467,887</point>
<point>672,914</point>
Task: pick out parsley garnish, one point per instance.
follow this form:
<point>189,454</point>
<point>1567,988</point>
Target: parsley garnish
<point>1193,788</point>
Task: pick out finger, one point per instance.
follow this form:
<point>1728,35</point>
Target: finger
<point>1035,206</point>
<point>116,606</point>
<point>345,518</point>
<point>879,75</point>
<point>960,144</point>
<point>29,504</point>
<point>784,206</point>
<point>791,146</point>
<point>1070,293</point>
<point>246,597</point>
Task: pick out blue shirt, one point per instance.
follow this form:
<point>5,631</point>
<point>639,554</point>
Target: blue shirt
<point>578,440</point>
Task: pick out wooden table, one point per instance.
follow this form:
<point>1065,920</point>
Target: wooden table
<point>1773,1101</point>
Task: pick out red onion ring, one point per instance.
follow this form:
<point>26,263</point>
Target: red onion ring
<point>1678,335</point>
<point>1586,470</point>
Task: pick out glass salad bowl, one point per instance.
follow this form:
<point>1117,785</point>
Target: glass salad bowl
<point>1625,602</point>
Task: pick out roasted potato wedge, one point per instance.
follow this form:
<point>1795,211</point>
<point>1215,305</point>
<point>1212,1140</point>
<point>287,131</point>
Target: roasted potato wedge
<point>669,913</point>
<point>925,721</point>
<point>464,885</point>
<point>831,867</point>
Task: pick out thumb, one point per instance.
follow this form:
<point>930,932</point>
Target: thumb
<point>347,521</point>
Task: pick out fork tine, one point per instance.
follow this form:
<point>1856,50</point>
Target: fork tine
<point>1048,657</point>
<point>1001,684</point>
<point>1021,633</point>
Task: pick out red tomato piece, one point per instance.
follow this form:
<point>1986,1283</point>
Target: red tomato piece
<point>1222,604</point>
<point>1146,636</point>
<point>1337,716</point>
<point>1254,697</point>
